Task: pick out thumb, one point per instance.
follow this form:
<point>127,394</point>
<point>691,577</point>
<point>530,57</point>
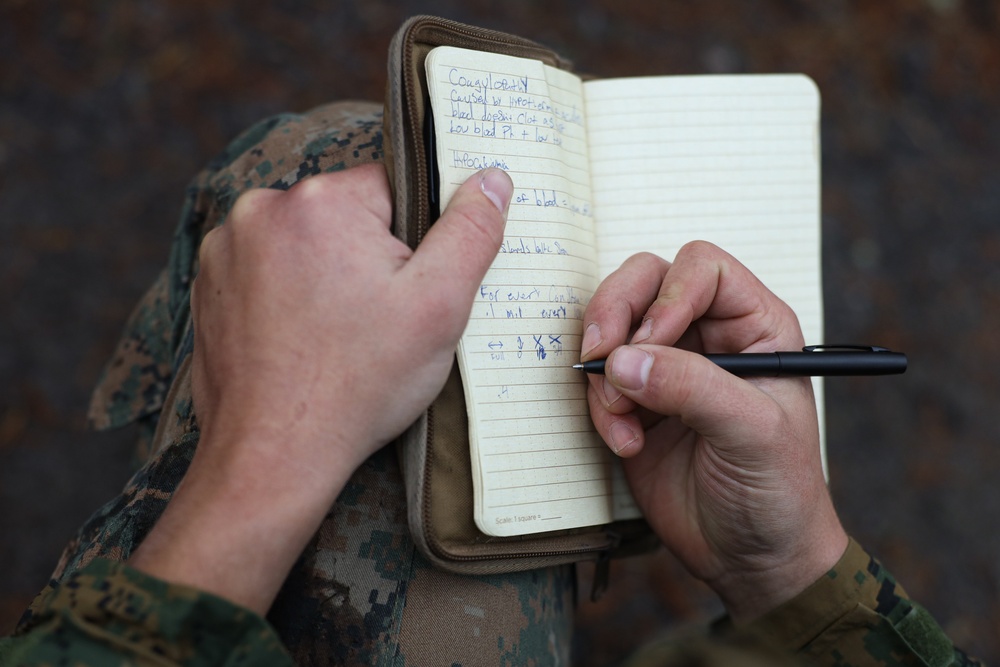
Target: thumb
<point>670,381</point>
<point>464,241</point>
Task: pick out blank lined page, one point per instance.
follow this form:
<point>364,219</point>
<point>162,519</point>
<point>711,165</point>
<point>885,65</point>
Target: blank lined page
<point>538,464</point>
<point>733,160</point>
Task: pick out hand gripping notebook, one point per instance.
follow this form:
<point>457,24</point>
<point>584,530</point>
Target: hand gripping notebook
<point>505,471</point>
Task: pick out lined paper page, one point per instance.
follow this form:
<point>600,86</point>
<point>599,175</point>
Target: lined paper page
<point>733,160</point>
<point>538,464</point>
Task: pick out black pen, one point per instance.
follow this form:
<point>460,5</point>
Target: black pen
<point>813,360</point>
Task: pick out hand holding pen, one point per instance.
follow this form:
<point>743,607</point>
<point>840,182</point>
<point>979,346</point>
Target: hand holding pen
<point>728,473</point>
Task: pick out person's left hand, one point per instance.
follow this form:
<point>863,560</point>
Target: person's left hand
<point>319,337</point>
<point>318,329</point>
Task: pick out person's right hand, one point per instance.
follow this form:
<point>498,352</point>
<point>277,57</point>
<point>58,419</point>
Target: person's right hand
<point>728,471</point>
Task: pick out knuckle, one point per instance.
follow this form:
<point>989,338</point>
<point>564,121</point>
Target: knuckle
<point>700,248</point>
<point>313,188</point>
<point>364,186</point>
<point>307,197</point>
<point>210,246</point>
<point>252,203</point>
<point>644,260</point>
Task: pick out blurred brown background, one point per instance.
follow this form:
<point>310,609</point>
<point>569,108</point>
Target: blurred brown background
<point>107,107</point>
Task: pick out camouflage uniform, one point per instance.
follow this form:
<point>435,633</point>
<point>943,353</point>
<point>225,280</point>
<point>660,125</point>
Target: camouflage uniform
<point>855,615</point>
<point>360,594</point>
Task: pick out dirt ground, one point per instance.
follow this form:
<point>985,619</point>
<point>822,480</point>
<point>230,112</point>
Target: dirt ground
<point>107,107</point>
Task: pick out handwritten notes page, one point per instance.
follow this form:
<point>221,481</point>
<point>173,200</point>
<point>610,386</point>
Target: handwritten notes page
<point>729,159</point>
<point>602,170</point>
<point>538,464</point>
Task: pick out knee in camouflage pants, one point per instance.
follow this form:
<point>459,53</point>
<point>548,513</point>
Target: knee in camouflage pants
<point>360,593</point>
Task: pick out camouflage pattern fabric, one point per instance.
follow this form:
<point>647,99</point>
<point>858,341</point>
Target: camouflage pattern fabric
<point>359,594</point>
<point>110,614</point>
<point>857,615</point>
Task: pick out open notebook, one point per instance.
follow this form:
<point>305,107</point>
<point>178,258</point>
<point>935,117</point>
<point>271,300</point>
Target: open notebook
<point>603,169</point>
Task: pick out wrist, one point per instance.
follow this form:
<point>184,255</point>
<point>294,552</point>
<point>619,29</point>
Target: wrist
<point>236,524</point>
<point>752,590</point>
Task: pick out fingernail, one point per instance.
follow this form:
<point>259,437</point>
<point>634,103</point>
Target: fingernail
<point>622,436</point>
<point>644,331</point>
<point>497,186</point>
<point>591,338</point>
<point>611,393</point>
<point>630,367</point>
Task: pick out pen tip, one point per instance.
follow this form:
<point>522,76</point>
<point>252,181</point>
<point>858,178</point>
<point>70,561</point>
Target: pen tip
<point>578,367</point>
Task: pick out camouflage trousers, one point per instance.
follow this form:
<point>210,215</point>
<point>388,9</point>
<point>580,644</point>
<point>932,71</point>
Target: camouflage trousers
<point>359,594</point>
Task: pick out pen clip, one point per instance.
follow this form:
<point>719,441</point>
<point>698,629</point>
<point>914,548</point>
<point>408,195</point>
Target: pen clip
<point>845,348</point>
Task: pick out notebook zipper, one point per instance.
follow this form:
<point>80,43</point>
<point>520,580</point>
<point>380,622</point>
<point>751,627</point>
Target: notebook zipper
<point>438,32</point>
<point>459,35</point>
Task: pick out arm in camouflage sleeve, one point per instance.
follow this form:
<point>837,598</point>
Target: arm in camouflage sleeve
<point>108,613</point>
<point>309,316</point>
<point>858,615</point>
<point>855,615</point>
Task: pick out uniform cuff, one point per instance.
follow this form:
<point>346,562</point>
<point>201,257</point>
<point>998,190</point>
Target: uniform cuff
<point>109,606</point>
<point>857,609</point>
<point>803,618</point>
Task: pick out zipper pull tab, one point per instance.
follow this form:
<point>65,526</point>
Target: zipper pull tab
<point>602,576</point>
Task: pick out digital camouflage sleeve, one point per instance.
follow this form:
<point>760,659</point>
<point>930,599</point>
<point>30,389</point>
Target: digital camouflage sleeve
<point>110,614</point>
<point>360,594</point>
<point>854,616</point>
